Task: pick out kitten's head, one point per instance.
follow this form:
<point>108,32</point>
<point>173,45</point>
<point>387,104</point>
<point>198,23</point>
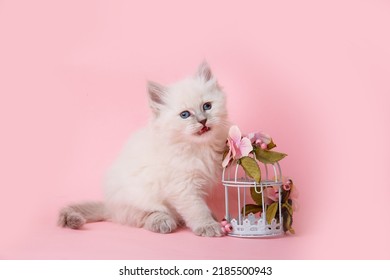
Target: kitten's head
<point>192,110</point>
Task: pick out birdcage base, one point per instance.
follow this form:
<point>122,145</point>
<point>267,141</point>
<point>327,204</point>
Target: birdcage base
<point>274,235</point>
<point>252,227</point>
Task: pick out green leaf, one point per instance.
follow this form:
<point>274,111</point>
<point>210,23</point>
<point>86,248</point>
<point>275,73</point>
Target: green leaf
<point>251,208</point>
<point>285,195</point>
<point>271,145</point>
<point>270,157</point>
<point>271,211</point>
<point>257,197</point>
<point>287,222</point>
<point>251,168</point>
<point>288,208</point>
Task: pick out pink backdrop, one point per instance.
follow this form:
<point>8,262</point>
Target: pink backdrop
<point>313,74</point>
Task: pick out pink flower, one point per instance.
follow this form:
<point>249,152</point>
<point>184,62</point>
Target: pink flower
<point>238,146</point>
<point>259,138</point>
<point>271,194</point>
<point>226,227</point>
<point>288,185</point>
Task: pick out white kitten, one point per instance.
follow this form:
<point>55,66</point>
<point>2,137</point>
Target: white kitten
<point>160,179</point>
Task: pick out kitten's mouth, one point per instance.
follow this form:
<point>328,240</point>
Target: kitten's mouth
<point>203,130</point>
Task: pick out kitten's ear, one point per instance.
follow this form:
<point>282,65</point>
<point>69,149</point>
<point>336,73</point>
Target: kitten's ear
<point>204,72</point>
<point>157,94</point>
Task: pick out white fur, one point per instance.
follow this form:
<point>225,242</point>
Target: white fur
<point>159,180</point>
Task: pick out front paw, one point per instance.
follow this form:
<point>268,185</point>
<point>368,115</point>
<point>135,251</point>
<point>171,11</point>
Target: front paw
<point>210,230</point>
<point>160,222</point>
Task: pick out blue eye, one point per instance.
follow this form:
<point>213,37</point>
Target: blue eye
<point>185,114</point>
<point>207,106</point>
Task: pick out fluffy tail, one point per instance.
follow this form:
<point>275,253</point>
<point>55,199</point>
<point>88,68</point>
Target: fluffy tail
<point>76,215</point>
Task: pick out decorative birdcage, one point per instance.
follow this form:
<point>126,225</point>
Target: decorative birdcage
<point>258,200</point>
<point>239,190</point>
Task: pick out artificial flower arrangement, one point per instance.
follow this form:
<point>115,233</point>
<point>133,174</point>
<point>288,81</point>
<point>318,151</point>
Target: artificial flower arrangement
<point>247,151</point>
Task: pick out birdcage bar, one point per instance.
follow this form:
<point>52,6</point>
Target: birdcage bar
<point>239,205</point>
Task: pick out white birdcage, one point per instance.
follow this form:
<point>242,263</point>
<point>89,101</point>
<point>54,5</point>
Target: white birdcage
<point>237,196</point>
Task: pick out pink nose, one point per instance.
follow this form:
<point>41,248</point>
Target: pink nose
<point>203,122</point>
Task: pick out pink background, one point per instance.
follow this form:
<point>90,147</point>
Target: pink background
<point>313,74</point>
